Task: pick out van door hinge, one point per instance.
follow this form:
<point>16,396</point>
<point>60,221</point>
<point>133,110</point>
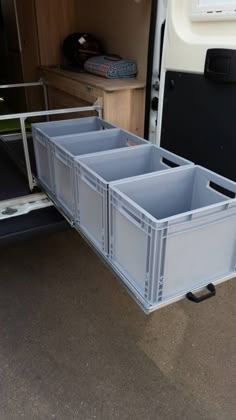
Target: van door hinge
<point>156,85</point>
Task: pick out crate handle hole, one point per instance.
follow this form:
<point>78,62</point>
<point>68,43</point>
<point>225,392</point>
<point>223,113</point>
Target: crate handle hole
<point>169,163</point>
<point>222,190</point>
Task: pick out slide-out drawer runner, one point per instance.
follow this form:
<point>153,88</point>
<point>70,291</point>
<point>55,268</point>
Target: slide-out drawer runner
<point>23,205</point>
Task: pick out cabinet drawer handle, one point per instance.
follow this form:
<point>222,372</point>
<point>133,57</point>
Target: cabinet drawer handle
<point>89,88</point>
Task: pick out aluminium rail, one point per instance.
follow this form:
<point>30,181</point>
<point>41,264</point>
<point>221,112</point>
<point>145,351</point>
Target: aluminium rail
<point>23,116</point>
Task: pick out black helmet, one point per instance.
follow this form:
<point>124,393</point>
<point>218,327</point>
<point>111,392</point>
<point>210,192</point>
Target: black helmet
<point>79,47</point>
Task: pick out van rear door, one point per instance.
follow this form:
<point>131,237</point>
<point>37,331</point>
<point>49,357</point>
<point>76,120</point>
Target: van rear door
<point>197,97</point>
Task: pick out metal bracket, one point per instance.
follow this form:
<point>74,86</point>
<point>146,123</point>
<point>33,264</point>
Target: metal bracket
<point>23,205</point>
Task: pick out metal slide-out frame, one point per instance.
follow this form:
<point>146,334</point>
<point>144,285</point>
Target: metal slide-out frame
<point>23,205</point>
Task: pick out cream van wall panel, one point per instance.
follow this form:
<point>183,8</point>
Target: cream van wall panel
<point>187,41</point>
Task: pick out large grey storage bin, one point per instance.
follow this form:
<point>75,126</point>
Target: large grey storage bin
<point>173,232</point>
<point>43,132</point>
<point>66,148</point>
<point>93,174</point>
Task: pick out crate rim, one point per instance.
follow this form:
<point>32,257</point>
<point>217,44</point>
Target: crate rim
<point>53,139</point>
<point>114,129</point>
<point>186,168</point>
<point>130,178</point>
<point>53,142</point>
<point>79,160</point>
<point>158,222</point>
<point>42,123</point>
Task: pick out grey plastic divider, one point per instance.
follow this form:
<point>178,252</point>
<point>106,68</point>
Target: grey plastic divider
<point>172,232</point>
<point>93,173</point>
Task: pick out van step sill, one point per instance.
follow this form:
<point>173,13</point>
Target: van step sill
<point>23,205</point>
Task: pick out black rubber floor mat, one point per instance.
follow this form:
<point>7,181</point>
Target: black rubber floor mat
<point>31,224</point>
<point>13,183</point>
<point>13,145</point>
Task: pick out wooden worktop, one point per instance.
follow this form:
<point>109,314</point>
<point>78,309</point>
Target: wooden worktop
<point>93,80</point>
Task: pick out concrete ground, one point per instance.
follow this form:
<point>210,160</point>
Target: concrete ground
<point>73,344</point>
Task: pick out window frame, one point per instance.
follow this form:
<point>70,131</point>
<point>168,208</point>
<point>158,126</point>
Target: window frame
<point>218,11</point>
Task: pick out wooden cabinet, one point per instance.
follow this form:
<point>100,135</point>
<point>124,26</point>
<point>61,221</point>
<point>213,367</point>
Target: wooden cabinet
<point>55,20</point>
<point>34,32</point>
<point>122,100</point>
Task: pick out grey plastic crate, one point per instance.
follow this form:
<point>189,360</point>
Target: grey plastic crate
<point>65,149</point>
<point>171,233</point>
<point>93,174</point>
<point>43,132</point>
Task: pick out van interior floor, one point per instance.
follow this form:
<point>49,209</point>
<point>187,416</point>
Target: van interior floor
<point>14,184</point>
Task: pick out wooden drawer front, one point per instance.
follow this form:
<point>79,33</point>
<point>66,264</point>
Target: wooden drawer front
<point>60,100</point>
<point>77,89</point>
